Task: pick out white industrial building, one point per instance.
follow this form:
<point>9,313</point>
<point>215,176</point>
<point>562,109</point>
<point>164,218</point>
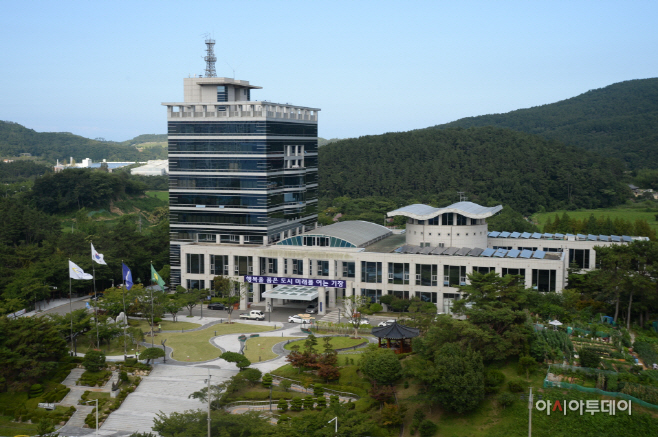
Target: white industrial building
<point>155,167</point>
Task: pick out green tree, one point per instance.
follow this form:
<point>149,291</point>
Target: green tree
<point>267,380</point>
<point>151,353</point>
<point>94,361</point>
<point>381,365</point>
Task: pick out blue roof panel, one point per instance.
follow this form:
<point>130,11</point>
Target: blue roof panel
<point>504,234</point>
<point>525,235</point>
<point>525,253</point>
<point>500,253</point>
<point>626,238</point>
<point>539,254</point>
<point>604,238</point>
<point>591,237</point>
<point>536,235</point>
<point>515,235</point>
<point>487,252</point>
<point>615,238</point>
<point>513,253</point>
<point>494,234</point>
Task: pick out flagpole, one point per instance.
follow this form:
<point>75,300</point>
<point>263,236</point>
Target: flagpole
<point>152,307</point>
<point>71,306</point>
<point>93,270</point>
<point>125,316</point>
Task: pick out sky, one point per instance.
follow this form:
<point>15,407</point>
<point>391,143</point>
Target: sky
<point>102,68</point>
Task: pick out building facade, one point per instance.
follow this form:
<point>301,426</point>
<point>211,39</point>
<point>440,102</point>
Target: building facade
<point>242,172</point>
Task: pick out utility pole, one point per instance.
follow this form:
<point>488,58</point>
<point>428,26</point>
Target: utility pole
<point>125,318</point>
<point>209,376</point>
<point>71,310</point>
<point>530,414</point>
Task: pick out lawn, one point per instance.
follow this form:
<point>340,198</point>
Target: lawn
<point>336,343</point>
<point>627,213</point>
<point>162,195</point>
<point>7,427</point>
<point>195,345</point>
<point>167,325</point>
<point>260,348</point>
<point>116,346</point>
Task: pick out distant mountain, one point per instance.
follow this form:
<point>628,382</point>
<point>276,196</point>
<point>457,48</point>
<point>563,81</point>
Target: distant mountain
<point>324,141</point>
<point>491,165</point>
<point>620,120</point>
<point>147,138</point>
<point>50,146</point>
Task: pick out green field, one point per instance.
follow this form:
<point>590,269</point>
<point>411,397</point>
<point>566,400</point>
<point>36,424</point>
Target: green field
<point>336,343</point>
<point>260,348</point>
<point>195,345</point>
<point>162,195</point>
<point>167,325</point>
<point>626,213</point>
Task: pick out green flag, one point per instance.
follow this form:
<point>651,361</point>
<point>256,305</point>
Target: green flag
<point>156,278</point>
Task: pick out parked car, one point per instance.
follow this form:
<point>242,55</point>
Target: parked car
<point>364,321</point>
<point>312,308</point>
<point>216,306</point>
<point>253,315</point>
<point>386,323</point>
<point>297,318</point>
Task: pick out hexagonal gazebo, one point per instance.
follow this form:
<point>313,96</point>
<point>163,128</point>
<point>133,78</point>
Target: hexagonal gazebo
<point>398,334</point>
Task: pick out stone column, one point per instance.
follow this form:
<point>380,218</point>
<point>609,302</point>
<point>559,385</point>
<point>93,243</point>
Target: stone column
<point>322,298</point>
<point>256,293</point>
<point>269,303</point>
<point>244,297</point>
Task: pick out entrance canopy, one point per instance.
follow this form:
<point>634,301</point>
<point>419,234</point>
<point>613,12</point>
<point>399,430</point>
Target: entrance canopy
<point>292,292</point>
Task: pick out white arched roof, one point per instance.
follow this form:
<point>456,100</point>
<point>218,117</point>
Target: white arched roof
<point>472,210</point>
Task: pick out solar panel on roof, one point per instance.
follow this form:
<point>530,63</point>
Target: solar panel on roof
<point>581,236</point>
<point>504,234</point>
<point>559,235</point>
<point>536,235</point>
<point>591,237</point>
<point>500,253</point>
<point>475,252</point>
<point>539,254</point>
<point>438,250</point>
<point>494,234</point>
<point>547,235</point>
<point>615,238</point>
<point>604,238</point>
<point>525,235</point>
<point>463,251</point>
<point>426,250</point>
<point>487,252</point>
<point>513,253</point>
<point>626,238</point>
<point>450,251</point>
<point>525,253</point>
<point>515,235</point>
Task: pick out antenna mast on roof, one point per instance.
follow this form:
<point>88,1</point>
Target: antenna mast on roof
<point>210,57</point>
<point>462,197</point>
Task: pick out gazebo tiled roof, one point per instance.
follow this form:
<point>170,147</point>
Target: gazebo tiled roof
<point>395,331</point>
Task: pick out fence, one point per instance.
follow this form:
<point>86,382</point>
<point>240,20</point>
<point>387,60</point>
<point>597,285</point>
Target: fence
<point>587,370</point>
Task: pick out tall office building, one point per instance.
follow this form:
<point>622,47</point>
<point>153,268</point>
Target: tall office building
<point>242,172</point>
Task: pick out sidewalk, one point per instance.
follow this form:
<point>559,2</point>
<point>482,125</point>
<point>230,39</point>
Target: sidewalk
<point>55,303</point>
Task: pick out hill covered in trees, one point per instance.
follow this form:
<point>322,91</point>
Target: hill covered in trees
<point>50,146</point>
<point>491,165</point>
<point>620,120</point>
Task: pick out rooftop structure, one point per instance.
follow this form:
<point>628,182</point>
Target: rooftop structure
<point>342,234</point>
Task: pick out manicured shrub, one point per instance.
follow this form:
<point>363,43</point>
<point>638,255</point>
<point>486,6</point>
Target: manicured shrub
<point>318,390</point>
<point>516,386</point>
<point>427,428</point>
<point>376,307</point>
<point>282,405</point>
<point>267,380</point>
<point>252,375</point>
<point>36,390</point>
<point>506,399</point>
<point>321,403</point>
<point>309,402</point>
<point>123,376</point>
<point>296,404</point>
<point>94,361</point>
<point>334,400</point>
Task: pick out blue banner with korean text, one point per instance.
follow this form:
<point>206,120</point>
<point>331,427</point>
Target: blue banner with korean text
<point>331,283</point>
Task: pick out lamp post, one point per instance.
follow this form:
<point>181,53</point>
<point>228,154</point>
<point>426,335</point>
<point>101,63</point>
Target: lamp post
<point>164,348</point>
<point>336,419</point>
<point>95,400</point>
<point>269,312</point>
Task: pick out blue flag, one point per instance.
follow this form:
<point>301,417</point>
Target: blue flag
<point>127,277</point>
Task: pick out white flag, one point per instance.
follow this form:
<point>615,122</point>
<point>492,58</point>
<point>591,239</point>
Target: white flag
<point>76,272</point>
<point>98,257</point>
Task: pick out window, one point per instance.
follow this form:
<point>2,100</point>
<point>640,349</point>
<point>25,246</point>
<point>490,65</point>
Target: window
<point>310,267</point>
<point>349,270</point>
<point>244,265</point>
<point>525,248</point>
<point>461,220</point>
<point>446,219</point>
<point>448,300</point>
<point>195,263</point>
<point>544,280</point>
<point>195,284</point>
<point>219,265</point>
<point>426,274</point>
<point>454,276</point>
<point>433,221</point>
<point>398,273</point>
<point>323,268</point>
<point>400,294</point>
<point>580,257</point>
<point>426,296</point>
<point>371,272</point>
<point>316,241</point>
<point>372,295</point>
<point>503,247</point>
<point>421,222</point>
<point>297,266</point>
<point>206,238</point>
<point>519,272</point>
<point>484,270</point>
<point>552,249</point>
<point>272,265</point>
<point>285,266</point>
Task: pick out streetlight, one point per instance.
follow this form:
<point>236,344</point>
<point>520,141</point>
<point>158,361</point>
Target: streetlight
<point>95,400</point>
<point>269,312</point>
<point>336,419</point>
<point>164,348</point>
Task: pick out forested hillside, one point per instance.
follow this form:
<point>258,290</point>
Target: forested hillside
<point>50,146</point>
<point>491,165</point>
<point>620,120</point>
